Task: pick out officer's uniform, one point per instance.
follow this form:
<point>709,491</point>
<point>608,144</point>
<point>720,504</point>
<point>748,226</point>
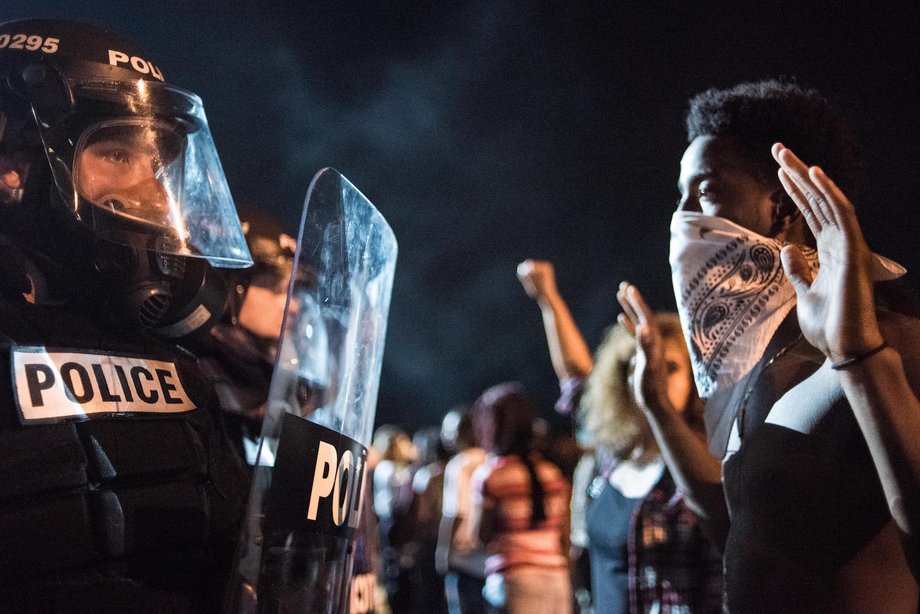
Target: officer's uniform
<point>119,511</point>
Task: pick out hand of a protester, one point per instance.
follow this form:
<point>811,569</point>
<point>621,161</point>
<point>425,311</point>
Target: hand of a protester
<point>538,278</point>
<point>650,377</point>
<point>835,308</point>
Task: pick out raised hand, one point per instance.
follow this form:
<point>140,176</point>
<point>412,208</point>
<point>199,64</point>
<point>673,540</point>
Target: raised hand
<point>835,308</point>
<point>538,278</point>
<point>649,380</point>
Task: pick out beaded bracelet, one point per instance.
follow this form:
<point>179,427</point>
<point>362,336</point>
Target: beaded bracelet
<point>848,362</point>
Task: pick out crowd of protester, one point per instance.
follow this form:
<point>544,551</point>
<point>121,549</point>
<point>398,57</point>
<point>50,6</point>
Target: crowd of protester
<point>493,513</point>
<point>771,466</point>
<point>490,513</point>
<point>485,525</point>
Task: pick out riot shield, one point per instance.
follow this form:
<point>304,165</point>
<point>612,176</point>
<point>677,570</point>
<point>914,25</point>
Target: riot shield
<point>296,548</point>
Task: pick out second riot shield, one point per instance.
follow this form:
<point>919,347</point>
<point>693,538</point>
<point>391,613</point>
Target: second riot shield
<point>297,544</point>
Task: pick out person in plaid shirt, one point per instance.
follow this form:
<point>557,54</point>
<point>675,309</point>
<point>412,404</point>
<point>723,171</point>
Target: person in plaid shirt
<point>648,551</point>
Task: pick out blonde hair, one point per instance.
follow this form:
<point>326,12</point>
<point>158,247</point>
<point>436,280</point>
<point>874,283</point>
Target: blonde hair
<point>608,412</point>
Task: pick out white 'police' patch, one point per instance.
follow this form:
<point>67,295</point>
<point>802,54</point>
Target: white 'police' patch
<point>60,384</point>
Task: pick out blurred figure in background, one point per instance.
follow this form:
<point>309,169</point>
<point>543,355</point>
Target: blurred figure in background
<point>558,445</point>
<point>425,520</point>
<point>520,510</point>
<point>392,498</point>
<point>460,557</point>
<point>241,355</point>
<point>367,596</point>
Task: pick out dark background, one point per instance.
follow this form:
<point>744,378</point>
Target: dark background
<point>490,132</point>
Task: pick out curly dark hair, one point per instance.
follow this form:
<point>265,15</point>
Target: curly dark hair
<point>758,114</point>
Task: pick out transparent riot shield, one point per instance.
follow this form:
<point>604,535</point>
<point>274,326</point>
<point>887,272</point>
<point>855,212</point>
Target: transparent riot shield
<point>296,548</point>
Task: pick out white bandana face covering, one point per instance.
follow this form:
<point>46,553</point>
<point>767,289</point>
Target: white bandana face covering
<point>732,294</point>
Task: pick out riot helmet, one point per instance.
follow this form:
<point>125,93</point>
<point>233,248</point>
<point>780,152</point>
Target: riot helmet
<point>131,168</point>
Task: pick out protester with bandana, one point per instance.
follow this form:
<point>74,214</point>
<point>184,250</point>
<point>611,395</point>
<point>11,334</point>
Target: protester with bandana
<point>812,409</point>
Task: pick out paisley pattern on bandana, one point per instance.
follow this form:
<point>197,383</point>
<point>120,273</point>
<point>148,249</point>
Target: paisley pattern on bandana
<point>731,294</point>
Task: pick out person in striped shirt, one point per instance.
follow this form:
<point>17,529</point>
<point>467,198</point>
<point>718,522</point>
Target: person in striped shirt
<point>520,509</point>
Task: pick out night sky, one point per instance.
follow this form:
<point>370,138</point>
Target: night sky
<point>488,132</point>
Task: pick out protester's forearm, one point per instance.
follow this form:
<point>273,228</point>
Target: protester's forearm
<point>567,348</point>
<point>695,471</point>
<point>888,413</point>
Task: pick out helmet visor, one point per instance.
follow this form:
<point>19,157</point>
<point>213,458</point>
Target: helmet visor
<point>142,161</point>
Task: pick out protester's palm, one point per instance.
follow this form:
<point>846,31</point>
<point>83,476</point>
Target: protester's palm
<point>651,373</point>
<point>649,378</point>
<point>831,306</point>
<point>835,308</point>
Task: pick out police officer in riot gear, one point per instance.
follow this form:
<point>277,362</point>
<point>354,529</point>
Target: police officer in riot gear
<point>241,354</point>
<point>119,489</point>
